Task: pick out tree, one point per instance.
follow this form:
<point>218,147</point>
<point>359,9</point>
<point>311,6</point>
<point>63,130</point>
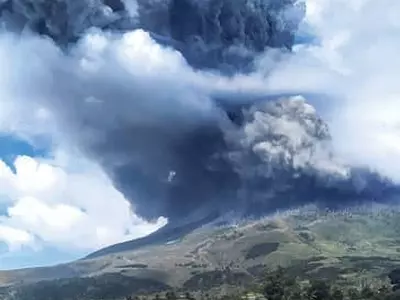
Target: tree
<point>367,293</point>
<point>353,294</point>
<point>171,296</point>
<point>337,294</point>
<point>274,287</point>
<point>319,290</point>
<point>384,291</point>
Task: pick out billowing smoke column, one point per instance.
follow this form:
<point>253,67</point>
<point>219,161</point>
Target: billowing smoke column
<point>210,33</point>
<point>167,144</point>
<point>284,156</point>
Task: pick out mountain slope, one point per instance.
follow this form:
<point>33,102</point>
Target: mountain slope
<point>355,245</point>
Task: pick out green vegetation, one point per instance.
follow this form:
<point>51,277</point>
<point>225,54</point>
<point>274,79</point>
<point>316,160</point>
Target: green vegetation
<point>215,279</point>
<point>262,249</point>
<point>109,286</point>
<point>133,266</point>
<point>218,285</point>
<point>279,285</point>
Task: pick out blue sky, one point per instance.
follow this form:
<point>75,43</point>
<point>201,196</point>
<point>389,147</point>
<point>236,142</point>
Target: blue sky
<point>29,257</point>
<point>53,211</point>
<point>10,148</point>
<point>56,207</point>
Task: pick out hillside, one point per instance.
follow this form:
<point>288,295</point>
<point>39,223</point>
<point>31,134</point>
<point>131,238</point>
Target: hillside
<point>352,246</point>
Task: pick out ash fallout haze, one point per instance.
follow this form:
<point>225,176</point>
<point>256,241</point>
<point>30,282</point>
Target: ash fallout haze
<point>169,114</point>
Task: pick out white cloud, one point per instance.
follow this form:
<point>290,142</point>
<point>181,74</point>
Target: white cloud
<point>15,238</point>
<point>356,63</point>
<point>70,206</point>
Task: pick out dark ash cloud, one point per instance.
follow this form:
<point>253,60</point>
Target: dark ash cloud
<point>147,113</point>
<point>220,34</point>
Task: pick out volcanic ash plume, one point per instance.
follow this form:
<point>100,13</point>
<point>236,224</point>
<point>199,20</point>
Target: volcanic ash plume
<point>132,85</point>
<point>284,135</point>
<point>221,34</point>
<point>284,156</point>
